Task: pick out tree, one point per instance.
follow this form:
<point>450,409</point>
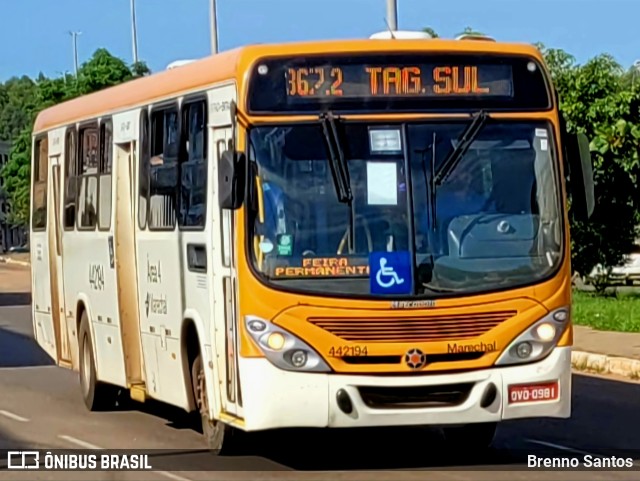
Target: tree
<point>470,31</point>
<point>466,31</point>
<point>21,100</point>
<point>431,32</point>
<point>561,66</point>
<point>16,175</point>
<point>17,106</point>
<point>596,100</point>
<point>140,69</point>
<point>102,70</point>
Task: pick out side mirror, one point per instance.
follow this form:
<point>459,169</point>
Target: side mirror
<point>581,175</point>
<point>231,179</point>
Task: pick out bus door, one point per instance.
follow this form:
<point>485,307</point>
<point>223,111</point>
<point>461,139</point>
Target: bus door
<point>55,264</point>
<point>225,317</point>
<point>195,223</point>
<point>125,251</point>
<point>160,285</point>
<point>41,224</point>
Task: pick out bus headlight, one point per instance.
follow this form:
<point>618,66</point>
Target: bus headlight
<point>283,349</point>
<point>537,341</point>
<point>275,341</point>
<point>546,331</point>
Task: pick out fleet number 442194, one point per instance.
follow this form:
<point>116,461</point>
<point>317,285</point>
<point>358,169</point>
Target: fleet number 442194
<point>348,351</point>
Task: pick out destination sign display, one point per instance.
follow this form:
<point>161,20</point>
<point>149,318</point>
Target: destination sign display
<point>317,267</point>
<point>416,82</point>
<point>363,81</point>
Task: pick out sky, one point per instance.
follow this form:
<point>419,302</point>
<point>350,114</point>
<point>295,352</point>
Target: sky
<point>34,34</point>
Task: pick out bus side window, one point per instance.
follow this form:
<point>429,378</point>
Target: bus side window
<point>163,184</point>
<point>71,179</point>
<point>41,164</point>
<point>88,182</point>
<point>193,163</point>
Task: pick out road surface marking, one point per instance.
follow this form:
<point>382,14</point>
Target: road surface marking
<point>175,477</point>
<point>15,368</point>
<point>15,417</point>
<point>559,446</point>
<point>85,444</point>
<point>78,442</point>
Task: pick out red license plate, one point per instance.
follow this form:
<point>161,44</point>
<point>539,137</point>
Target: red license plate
<point>526,393</point>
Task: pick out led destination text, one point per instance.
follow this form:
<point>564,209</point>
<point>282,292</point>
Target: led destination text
<point>323,267</point>
<point>374,81</point>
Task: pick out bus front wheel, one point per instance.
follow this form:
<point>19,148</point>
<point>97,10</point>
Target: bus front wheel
<point>216,433</point>
<point>97,396</point>
<point>476,436</point>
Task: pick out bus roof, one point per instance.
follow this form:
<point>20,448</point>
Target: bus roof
<point>233,64</point>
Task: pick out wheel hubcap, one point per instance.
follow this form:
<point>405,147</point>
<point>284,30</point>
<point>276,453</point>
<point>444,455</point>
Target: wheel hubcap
<point>201,394</point>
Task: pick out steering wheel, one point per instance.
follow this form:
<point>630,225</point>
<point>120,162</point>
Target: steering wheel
<point>345,237</point>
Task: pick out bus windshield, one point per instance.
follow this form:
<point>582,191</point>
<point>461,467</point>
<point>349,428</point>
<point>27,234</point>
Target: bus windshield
<point>489,220</point>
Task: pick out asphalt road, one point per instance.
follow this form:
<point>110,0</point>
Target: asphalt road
<point>41,407</point>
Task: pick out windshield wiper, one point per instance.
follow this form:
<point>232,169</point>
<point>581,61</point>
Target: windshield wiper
<point>463,143</point>
<point>337,162</point>
<point>339,170</point>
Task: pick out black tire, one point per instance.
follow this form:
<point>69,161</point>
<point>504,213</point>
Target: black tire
<point>471,437</point>
<point>219,436</point>
<point>97,396</point>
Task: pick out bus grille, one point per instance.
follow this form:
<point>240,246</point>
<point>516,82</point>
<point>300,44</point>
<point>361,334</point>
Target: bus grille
<point>416,397</point>
<point>417,329</point>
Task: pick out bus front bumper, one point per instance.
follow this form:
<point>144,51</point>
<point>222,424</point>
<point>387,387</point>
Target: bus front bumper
<point>273,398</point>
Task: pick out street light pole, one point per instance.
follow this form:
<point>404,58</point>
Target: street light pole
<point>392,15</point>
<point>214,27</point>
<point>74,36</point>
<point>134,32</point>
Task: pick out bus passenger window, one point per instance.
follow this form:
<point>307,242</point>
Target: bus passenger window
<point>163,182</point>
<point>88,183</point>
<point>71,180</point>
<point>193,163</point>
<point>41,164</point>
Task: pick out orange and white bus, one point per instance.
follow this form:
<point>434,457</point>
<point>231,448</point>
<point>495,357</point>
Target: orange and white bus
<point>324,234</point>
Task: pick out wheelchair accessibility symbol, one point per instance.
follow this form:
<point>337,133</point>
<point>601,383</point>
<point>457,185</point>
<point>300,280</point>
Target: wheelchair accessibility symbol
<point>390,272</point>
<point>387,273</point>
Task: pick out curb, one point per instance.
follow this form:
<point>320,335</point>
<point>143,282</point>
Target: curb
<point>8,260</point>
<point>605,364</point>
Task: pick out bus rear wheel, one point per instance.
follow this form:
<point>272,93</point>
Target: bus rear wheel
<point>216,433</point>
<point>477,436</point>
<point>97,396</point>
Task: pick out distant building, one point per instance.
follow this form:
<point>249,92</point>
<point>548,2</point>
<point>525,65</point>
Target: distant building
<point>10,236</point>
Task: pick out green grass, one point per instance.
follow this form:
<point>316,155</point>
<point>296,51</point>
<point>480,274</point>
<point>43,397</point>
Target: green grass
<point>610,312</point>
